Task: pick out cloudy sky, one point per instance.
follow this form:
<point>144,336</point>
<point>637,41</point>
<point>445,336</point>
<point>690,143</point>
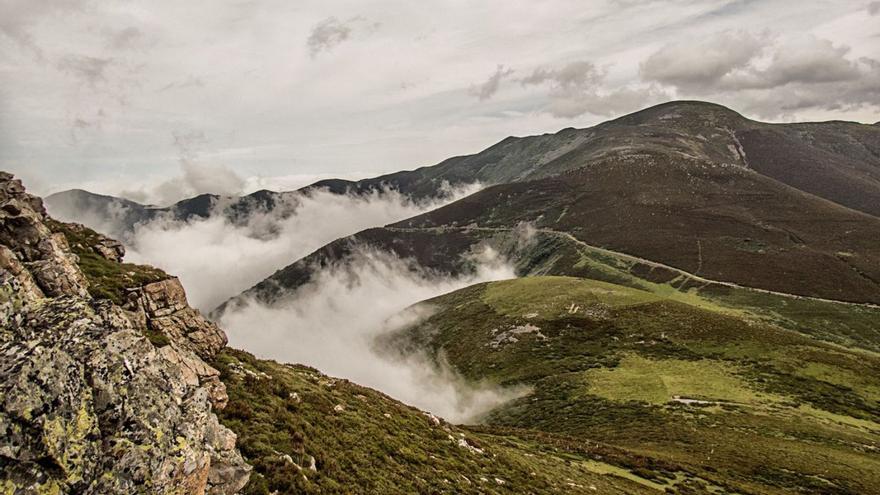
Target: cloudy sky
<point>160,99</point>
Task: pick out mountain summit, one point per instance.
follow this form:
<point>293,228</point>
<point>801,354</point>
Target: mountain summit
<point>696,313</point>
<point>696,187</point>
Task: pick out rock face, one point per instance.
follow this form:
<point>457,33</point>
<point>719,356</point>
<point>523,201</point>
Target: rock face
<point>104,246</point>
<point>44,254</point>
<point>167,312</point>
<point>89,403</point>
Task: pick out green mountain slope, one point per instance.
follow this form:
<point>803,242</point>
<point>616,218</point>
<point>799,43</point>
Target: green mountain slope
<point>790,208</point>
<point>547,252</point>
<point>308,433</point>
<point>715,390</point>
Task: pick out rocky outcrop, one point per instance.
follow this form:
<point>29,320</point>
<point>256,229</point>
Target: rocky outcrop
<point>45,255</point>
<point>107,248</point>
<point>88,403</point>
<point>167,311</point>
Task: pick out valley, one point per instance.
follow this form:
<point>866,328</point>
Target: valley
<point>680,300</point>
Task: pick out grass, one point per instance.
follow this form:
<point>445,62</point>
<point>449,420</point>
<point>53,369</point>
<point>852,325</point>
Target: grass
<point>653,381</point>
<point>608,469</point>
<point>849,325</point>
<point>107,279</point>
<point>784,411</point>
<point>286,415</point>
<point>559,296</point>
<point>846,324</point>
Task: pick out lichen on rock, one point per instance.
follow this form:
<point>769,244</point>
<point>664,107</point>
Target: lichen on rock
<point>88,404</point>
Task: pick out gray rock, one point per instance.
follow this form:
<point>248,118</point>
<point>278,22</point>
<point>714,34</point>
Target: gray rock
<point>166,310</point>
<point>87,403</point>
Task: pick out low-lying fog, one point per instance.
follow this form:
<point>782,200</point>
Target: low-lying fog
<point>331,323</point>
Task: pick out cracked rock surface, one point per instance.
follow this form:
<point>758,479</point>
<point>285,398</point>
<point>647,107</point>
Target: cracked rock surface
<point>88,403</point>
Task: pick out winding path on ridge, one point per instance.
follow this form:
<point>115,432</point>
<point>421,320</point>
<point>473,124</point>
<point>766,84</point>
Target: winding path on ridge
<point>633,258</point>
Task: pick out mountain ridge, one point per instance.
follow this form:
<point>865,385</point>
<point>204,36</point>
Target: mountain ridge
<point>111,383</point>
<point>671,194</point>
<point>516,159</point>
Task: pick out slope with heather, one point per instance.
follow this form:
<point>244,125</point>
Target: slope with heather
<point>727,397</point>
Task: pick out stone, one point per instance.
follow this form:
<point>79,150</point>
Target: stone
<point>47,256</point>
<point>107,248</point>
<point>87,403</point>
<point>167,312</point>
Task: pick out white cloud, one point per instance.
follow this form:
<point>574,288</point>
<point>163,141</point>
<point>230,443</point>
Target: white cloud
<point>577,75</point>
<point>216,260</point>
<point>768,75</point>
<point>333,323</point>
<point>690,64</point>
<point>580,87</point>
<point>196,177</point>
<point>379,100</point>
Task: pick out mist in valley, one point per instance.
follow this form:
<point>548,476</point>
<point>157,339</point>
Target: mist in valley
<point>332,322</point>
<point>216,258</point>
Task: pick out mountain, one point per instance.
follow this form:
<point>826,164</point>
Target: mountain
<point>699,290</point>
<point>112,383</point>
<point>697,313</point>
<point>693,186</point>
<point>119,216</point>
<point>835,161</point>
<point>705,391</point>
<point>838,161</point>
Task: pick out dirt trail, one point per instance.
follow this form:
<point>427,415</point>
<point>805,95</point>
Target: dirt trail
<point>633,258</point>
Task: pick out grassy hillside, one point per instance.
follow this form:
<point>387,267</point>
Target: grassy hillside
<point>746,405</point>
<point>547,252</point>
<point>308,433</point>
<point>721,222</point>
